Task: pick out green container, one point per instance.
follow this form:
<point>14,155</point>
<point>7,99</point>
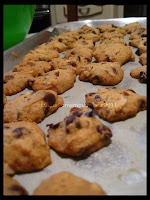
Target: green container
<point>17,20</point>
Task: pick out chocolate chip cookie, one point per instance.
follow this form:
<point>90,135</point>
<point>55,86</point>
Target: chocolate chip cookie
<point>33,67</point>
<point>65,183</point>
<point>32,106</point>
<point>12,187</point>
<point>4,99</point>
<point>87,29</point>
<point>141,44</point>
<point>131,27</point>
<point>140,73</point>
<point>107,35</point>
<point>59,80</point>
<point>143,58</point>
<point>107,27</point>
<point>15,82</point>
<point>83,43</point>
<point>113,40</point>
<point>139,33</point>
<point>81,133</point>
<point>116,52</point>
<point>25,148</point>
<point>115,104</point>
<point>89,36</point>
<point>102,73</point>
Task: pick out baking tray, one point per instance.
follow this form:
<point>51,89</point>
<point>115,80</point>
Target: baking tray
<point>119,168</point>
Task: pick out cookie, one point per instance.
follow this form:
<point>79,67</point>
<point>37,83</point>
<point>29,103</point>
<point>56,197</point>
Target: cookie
<point>65,63</point>
<point>116,52</point>
<point>4,99</point>
<point>32,106</point>
<point>140,73</point>
<point>83,43</point>
<point>33,67</point>
<point>116,104</point>
<point>107,35</point>
<point>66,40</point>
<point>59,80</point>
<point>102,73</point>
<point>131,27</point>
<point>65,183</point>
<point>81,133</point>
<point>44,54</point>
<point>139,33</point>
<point>84,54</point>
<point>15,82</point>
<point>107,27</point>
<point>141,44</point>
<point>87,29</point>
<point>12,187</point>
<point>89,36</point>
<point>113,40</point>
<point>25,149</point>
<point>72,34</point>
<point>143,58</point>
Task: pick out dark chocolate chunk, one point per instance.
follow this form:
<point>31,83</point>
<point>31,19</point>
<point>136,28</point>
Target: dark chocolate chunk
<point>87,59</point>
<point>70,119</point>
<point>144,35</point>
<point>143,77</point>
<point>78,125</point>
<point>7,78</point>
<point>125,93</point>
<point>73,53</point>
<point>77,113</point>
<point>145,43</point>
<point>39,74</point>
<point>104,130</point>
<point>72,63</point>
<point>49,98</point>
<point>46,110</point>
<point>142,105</point>
<point>96,80</point>
<point>19,132</point>
<point>115,71</point>
<point>57,73</point>
<point>92,93</point>
<point>89,114</point>
<point>97,97</point>
<point>53,126</point>
<point>80,37</point>
<point>107,59</point>
<point>137,52</point>
<point>60,40</point>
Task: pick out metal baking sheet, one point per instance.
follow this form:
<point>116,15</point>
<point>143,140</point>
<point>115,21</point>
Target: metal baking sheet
<point>119,168</point>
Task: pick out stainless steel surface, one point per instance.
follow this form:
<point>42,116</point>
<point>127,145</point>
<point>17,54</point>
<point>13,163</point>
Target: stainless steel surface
<point>119,168</point>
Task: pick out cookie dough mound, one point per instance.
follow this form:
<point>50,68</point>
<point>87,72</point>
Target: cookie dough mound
<point>59,80</point>
<point>65,183</point>
<point>113,53</point>
<point>12,187</point>
<point>81,133</point>
<point>15,82</point>
<point>102,73</point>
<point>140,73</point>
<point>25,148</point>
<point>115,104</point>
<point>33,107</point>
<point>34,67</point>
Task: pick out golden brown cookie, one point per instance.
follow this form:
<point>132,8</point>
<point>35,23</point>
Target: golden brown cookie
<point>81,133</point>
<point>4,99</point>
<point>33,67</point>
<point>65,183</point>
<point>87,29</point>
<point>113,40</point>
<point>143,58</point>
<point>83,43</point>
<point>65,63</point>
<point>141,44</point>
<point>25,147</point>
<point>89,36</point>
<point>66,40</point>
<point>140,73</point>
<point>15,82</point>
<point>107,35</point>
<point>102,73</point>
<point>116,52</point>
<point>139,33</point>
<point>115,104</point>
<point>12,187</point>
<point>33,107</point>
<point>59,80</point>
<point>131,27</point>
<point>107,27</point>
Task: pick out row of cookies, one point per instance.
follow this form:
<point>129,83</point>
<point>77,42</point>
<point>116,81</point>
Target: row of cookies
<point>65,125</point>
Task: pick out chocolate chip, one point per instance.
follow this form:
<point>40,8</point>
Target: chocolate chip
<point>125,93</point>
<point>46,110</point>
<point>87,59</point>
<point>95,61</point>
<point>143,77</point>
<point>96,80</point>
<point>94,43</point>
<point>60,40</point>
<point>72,63</point>
<point>79,58</point>
<point>19,189</point>
<point>73,53</point>
<point>53,126</point>
<point>132,90</point>
<point>6,127</point>
<point>144,35</point>
<point>77,113</point>
<point>115,71</point>
<point>114,26</point>
<point>14,70</point>
<point>92,93</point>
<point>89,114</point>
<point>67,130</point>
<point>84,43</point>
<point>19,132</point>
<point>100,29</point>
<point>80,37</point>
<point>7,78</point>
<point>49,98</point>
<point>107,59</point>
<point>18,116</point>
<point>145,43</point>
<point>93,32</point>
<point>78,125</point>
<point>97,97</point>
<point>137,52</point>
<point>74,109</point>
<point>142,105</point>
<point>70,119</point>
<point>104,130</point>
<point>39,74</point>
<point>57,73</point>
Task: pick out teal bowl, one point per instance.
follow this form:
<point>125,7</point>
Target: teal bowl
<point>17,20</point>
